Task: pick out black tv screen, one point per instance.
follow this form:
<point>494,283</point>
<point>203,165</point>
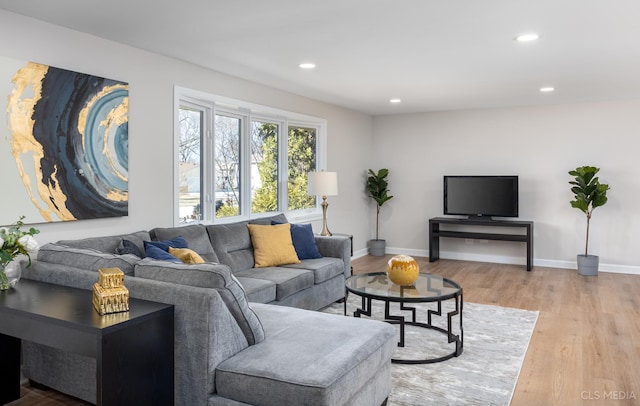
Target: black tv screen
<point>481,196</point>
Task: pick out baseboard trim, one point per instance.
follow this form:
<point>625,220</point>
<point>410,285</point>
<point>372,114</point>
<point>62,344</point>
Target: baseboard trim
<point>360,253</point>
<point>495,259</point>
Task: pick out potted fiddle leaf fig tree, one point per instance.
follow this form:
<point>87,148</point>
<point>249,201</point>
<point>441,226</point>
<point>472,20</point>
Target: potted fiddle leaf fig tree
<point>589,194</point>
<point>378,189</point>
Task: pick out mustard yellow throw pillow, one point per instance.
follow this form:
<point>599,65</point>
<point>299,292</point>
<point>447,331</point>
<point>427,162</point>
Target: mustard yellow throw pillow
<point>272,245</point>
<point>186,255</point>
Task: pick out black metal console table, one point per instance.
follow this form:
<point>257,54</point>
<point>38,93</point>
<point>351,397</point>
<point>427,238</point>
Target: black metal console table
<point>133,350</point>
<point>435,233</point>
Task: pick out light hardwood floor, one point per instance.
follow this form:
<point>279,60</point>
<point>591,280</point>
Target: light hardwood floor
<point>585,349</point>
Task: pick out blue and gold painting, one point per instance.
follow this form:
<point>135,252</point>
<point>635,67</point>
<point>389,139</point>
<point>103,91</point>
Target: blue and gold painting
<point>69,144</point>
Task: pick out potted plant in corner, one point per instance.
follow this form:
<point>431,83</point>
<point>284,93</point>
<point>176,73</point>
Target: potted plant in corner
<point>377,186</point>
<point>589,194</point>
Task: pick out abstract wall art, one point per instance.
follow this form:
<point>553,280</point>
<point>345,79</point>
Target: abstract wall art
<point>65,145</point>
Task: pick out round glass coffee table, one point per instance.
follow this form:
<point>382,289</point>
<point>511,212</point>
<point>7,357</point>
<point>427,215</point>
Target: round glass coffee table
<point>428,288</point>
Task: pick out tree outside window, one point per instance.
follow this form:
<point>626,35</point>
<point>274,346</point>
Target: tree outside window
<point>301,153</point>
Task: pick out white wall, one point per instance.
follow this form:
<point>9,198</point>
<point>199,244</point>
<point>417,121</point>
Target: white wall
<point>540,144</point>
<point>151,162</point>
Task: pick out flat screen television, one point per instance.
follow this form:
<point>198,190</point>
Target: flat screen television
<point>481,197</point>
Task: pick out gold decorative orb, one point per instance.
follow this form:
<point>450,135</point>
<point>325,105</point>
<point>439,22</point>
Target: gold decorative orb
<point>403,270</point>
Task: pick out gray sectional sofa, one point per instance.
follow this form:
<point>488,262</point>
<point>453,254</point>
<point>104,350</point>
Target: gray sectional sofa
<point>243,335</point>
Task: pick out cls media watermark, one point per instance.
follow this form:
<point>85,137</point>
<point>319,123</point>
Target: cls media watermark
<point>607,395</point>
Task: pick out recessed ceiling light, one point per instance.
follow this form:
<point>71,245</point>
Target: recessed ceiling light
<point>307,65</point>
<point>395,100</point>
<point>547,89</point>
<point>528,37</point>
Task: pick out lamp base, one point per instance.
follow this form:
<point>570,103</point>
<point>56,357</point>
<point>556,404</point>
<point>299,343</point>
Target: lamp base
<point>325,230</point>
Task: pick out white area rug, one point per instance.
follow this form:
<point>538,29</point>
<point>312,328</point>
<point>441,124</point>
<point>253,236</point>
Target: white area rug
<point>495,343</point>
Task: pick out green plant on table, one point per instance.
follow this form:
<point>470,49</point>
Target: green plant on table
<point>14,242</point>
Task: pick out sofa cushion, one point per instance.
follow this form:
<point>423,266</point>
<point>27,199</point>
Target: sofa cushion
<point>258,290</point>
<point>214,276</point>
<point>86,258</point>
<point>186,255</point>
<point>108,244</point>
<point>323,268</point>
<point>308,358</point>
<point>272,245</point>
<point>288,281</point>
<point>232,244</point>
<point>196,236</point>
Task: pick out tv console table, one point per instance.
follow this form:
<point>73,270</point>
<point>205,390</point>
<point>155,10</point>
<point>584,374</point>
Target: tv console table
<point>435,233</point>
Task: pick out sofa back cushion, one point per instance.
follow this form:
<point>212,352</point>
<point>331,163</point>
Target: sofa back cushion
<point>86,258</point>
<point>195,235</point>
<point>232,244</point>
<point>265,221</point>
<point>214,276</point>
<point>108,244</point>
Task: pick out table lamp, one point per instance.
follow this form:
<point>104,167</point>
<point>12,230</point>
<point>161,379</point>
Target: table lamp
<point>323,184</point>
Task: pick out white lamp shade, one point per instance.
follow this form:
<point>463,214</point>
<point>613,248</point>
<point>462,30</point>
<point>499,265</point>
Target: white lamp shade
<point>323,183</point>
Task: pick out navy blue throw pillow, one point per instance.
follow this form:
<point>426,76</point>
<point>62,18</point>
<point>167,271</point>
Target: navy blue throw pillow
<point>178,242</point>
<point>157,253</point>
<point>303,241</point>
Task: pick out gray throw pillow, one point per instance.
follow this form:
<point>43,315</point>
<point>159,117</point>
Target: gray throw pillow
<point>129,247</point>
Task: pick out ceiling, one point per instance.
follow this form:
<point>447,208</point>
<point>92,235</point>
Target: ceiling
<point>432,54</point>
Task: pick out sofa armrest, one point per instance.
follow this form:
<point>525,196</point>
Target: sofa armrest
<point>337,247</point>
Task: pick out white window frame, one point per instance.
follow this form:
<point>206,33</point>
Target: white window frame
<point>214,104</point>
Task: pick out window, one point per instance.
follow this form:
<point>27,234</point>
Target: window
<point>264,166</point>
<point>301,158</point>
<point>226,168</point>
<point>236,159</point>
<point>191,120</point>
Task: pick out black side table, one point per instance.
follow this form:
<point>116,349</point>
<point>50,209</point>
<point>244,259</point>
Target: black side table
<point>133,350</point>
